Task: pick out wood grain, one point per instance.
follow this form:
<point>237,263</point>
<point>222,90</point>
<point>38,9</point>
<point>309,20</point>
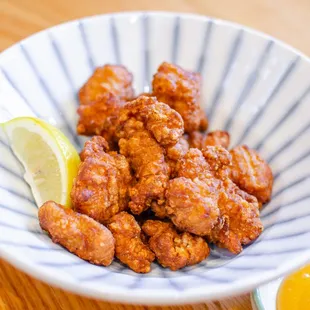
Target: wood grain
<point>288,20</point>
<point>18,291</point>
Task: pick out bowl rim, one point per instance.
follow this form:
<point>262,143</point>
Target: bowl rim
<point>257,296</point>
<point>149,296</point>
<point>257,300</point>
<point>197,16</point>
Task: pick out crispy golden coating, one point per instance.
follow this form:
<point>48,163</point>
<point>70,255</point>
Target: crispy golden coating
<point>159,209</point>
<point>173,154</point>
<point>114,79</point>
<point>164,123</point>
<point>78,233</point>
<point>239,221</point>
<point>146,157</point>
<point>100,117</point>
<point>193,165</point>
<point>218,160</point>
<point>101,99</point>
<point>100,189</point>
<point>129,246</point>
<point>192,197</point>
<point>200,140</point>
<point>180,89</point>
<point>176,152</point>
<point>146,128</point>
<point>192,205</point>
<point>251,173</point>
<point>96,146</point>
<point>174,250</point>
<point>204,201</point>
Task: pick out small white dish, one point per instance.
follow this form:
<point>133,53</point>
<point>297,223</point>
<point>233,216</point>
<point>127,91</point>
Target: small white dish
<point>254,86</point>
<point>265,297</point>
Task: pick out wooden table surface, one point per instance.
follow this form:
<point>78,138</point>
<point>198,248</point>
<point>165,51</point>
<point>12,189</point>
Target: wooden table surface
<point>288,20</point>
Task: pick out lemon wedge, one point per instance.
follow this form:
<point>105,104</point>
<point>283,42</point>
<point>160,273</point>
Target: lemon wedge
<point>50,160</point>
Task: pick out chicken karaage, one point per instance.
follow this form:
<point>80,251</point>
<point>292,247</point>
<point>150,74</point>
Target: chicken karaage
<point>239,221</point>
<point>129,247</point>
<point>182,185</point>
<point>114,79</point>
<point>192,196</point>
<point>200,140</point>
<point>78,233</point>
<point>174,250</point>
<point>251,173</point>
<point>100,117</point>
<point>146,128</point>
<point>101,98</point>
<point>101,188</point>
<point>204,201</point>
<point>180,89</point>
<point>176,152</point>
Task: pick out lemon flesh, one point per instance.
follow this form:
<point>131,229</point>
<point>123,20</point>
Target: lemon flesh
<point>50,160</point>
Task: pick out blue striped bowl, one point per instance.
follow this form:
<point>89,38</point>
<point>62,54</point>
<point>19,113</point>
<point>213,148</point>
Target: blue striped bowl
<point>254,86</point>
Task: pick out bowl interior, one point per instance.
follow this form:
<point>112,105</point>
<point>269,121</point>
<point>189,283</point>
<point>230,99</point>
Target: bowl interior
<point>253,86</point>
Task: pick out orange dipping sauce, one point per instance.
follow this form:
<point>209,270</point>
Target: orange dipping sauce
<point>294,292</point>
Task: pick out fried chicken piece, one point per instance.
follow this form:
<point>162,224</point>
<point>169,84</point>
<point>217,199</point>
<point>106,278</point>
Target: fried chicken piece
<point>200,140</point>
<point>164,123</point>
<point>159,209</point>
<point>114,79</point>
<point>100,117</point>
<point>192,205</point>
<point>173,154</point>
<point>146,157</point>
<point>204,201</point>
<point>218,159</point>
<point>129,246</point>
<point>101,98</point>
<point>146,128</point>
<point>251,173</point>
<point>239,222</point>
<point>78,233</point>
<point>192,197</point>
<point>176,152</point>
<point>193,165</point>
<point>174,250</point>
<point>94,147</point>
<point>180,89</point>
<point>100,189</point>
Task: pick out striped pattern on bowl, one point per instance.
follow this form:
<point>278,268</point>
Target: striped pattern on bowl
<point>253,86</point>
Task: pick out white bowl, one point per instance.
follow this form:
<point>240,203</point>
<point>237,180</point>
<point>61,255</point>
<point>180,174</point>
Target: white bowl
<point>254,86</point>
